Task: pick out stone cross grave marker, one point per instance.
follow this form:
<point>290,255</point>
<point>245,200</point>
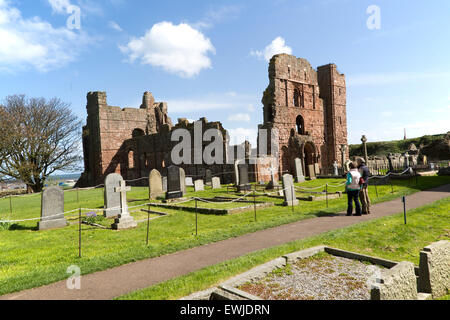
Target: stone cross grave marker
<point>216,183</point>
<point>124,220</point>
<point>244,184</point>
<point>52,209</point>
<point>290,196</point>
<point>299,176</point>
<point>199,185</point>
<point>272,183</point>
<point>208,177</point>
<point>112,198</point>
<point>155,185</point>
<point>335,168</point>
<point>174,187</point>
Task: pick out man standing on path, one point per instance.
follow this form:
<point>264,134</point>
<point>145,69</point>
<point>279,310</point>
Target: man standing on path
<point>364,194</point>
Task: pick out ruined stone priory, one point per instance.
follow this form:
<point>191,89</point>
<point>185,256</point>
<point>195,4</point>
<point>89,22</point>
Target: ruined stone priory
<point>304,112</point>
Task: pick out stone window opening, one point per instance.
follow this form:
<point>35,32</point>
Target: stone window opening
<point>296,98</point>
<point>300,125</point>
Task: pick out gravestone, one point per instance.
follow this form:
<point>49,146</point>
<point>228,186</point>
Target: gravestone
<point>155,185</point>
<point>52,209</point>
<point>208,177</point>
<point>183,181</point>
<point>299,176</point>
<point>290,196</point>
<point>244,184</point>
<point>391,165</point>
<point>312,174</point>
<point>335,168</point>
<point>124,220</point>
<point>199,185</point>
<point>174,186</point>
<point>189,182</point>
<point>406,161</point>
<point>112,198</point>
<point>236,173</point>
<point>316,169</point>
<point>216,183</point>
<point>164,184</point>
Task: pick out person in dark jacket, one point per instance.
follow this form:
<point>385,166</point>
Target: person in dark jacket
<point>353,188</point>
<point>364,194</point>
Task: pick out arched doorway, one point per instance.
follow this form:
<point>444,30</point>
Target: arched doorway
<point>310,158</point>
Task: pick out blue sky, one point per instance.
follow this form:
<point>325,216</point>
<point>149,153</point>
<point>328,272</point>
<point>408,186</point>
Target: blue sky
<point>208,58</point>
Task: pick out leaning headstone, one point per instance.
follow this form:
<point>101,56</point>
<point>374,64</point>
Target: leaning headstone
<point>189,182</point>
<point>216,183</point>
<point>199,185</point>
<point>244,184</point>
<point>112,198</point>
<point>52,209</point>
<point>155,185</point>
<point>124,220</point>
<point>299,176</point>
<point>183,181</point>
<point>208,177</point>
<point>290,196</point>
<point>236,173</point>
<point>174,186</point>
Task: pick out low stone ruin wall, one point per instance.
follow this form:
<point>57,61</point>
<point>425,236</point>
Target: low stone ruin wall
<point>399,281</point>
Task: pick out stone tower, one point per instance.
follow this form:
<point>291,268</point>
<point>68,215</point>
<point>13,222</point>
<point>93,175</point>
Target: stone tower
<point>108,127</point>
<point>308,110</point>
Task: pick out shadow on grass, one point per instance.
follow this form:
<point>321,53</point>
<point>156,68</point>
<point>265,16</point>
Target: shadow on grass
<point>18,227</point>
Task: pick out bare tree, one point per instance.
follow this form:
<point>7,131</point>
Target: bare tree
<point>37,138</point>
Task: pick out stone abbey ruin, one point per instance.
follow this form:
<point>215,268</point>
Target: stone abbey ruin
<point>304,110</point>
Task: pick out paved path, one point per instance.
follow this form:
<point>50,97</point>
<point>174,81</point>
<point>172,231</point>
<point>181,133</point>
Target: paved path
<point>138,275</point>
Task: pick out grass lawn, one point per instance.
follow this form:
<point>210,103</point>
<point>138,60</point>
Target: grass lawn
<point>386,237</point>
<point>30,258</point>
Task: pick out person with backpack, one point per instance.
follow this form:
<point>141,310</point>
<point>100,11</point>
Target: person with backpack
<point>353,188</point>
<point>364,194</point>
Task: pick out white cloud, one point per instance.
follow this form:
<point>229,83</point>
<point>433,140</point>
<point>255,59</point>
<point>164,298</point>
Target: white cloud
<point>114,25</point>
<point>278,45</point>
<point>34,42</point>
<point>239,117</point>
<point>251,108</point>
<point>178,49</point>
<point>59,6</point>
<point>240,135</point>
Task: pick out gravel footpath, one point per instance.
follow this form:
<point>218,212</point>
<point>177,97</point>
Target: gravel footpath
<point>322,277</point>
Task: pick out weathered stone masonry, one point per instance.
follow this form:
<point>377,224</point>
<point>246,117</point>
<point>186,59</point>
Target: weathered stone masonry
<point>306,107</point>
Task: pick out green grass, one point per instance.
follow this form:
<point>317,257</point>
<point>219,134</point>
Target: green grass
<point>386,237</point>
<point>30,258</point>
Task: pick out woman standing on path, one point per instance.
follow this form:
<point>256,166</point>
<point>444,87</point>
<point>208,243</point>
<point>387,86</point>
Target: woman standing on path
<point>353,187</point>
